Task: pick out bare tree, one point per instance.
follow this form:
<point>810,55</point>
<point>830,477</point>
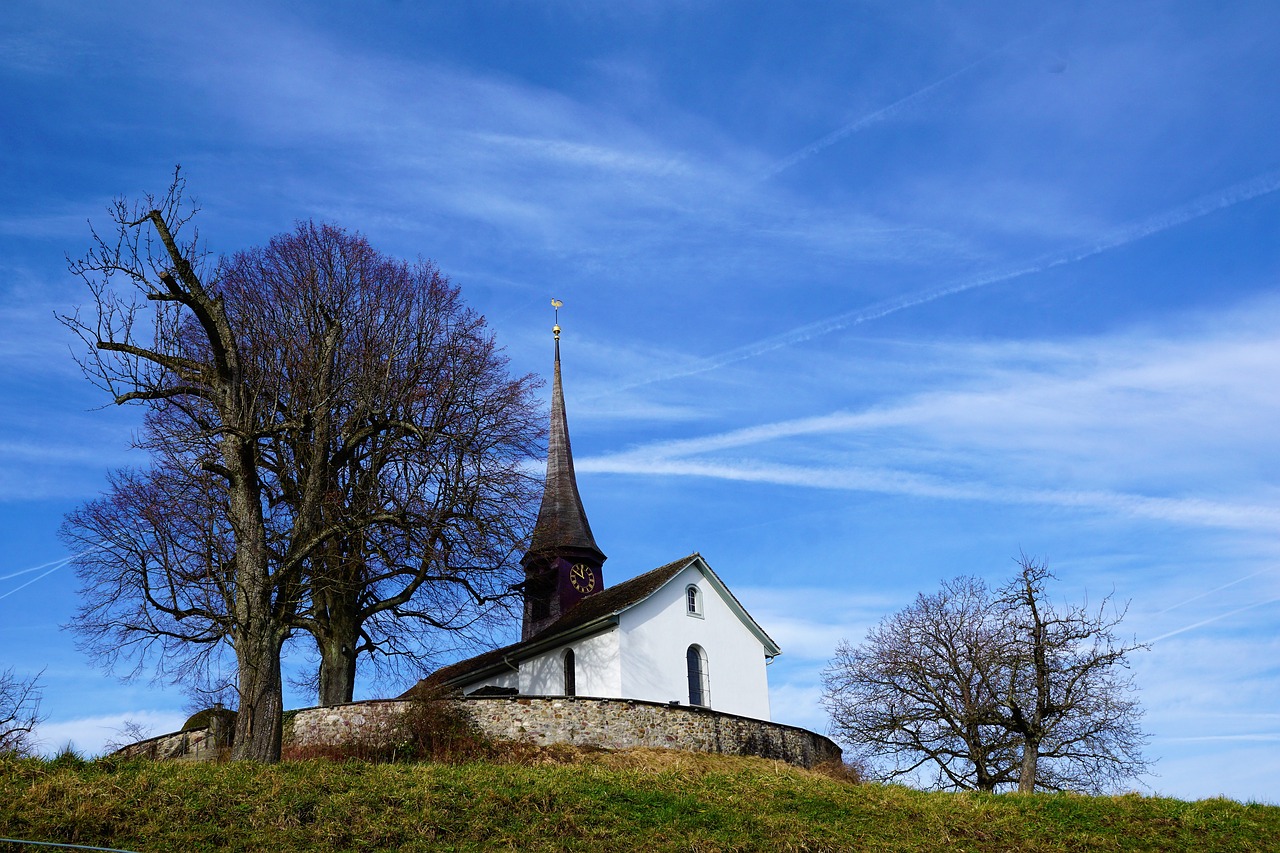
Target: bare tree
<point>336,448</point>
<point>991,690</point>
<point>129,733</point>
<point>188,357</point>
<point>408,428</point>
<point>1067,695</point>
<point>19,713</point>
<point>916,694</point>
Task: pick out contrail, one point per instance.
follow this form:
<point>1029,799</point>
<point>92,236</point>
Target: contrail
<point>1215,589</point>
<point>1204,622</point>
<point>672,463</point>
<point>57,564</point>
<point>61,561</point>
<point>1222,199</point>
<point>886,112</point>
<point>872,118</point>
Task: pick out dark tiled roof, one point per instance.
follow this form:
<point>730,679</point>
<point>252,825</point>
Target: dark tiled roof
<point>608,601</point>
<point>615,598</point>
<point>562,522</point>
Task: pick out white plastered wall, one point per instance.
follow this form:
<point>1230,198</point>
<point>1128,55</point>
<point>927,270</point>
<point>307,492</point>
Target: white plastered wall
<point>597,664</point>
<point>655,637</point>
<point>503,679</point>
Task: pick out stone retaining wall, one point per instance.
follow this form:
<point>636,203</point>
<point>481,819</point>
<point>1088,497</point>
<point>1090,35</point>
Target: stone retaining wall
<point>193,745</point>
<point>583,721</point>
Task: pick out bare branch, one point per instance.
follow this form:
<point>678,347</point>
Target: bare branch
<point>337,448</point>
<point>19,713</point>
<point>992,690</point>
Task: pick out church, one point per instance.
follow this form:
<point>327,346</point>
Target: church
<point>668,659</point>
<point>674,635</point>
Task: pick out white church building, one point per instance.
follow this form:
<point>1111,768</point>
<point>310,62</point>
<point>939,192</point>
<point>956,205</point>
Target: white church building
<point>673,635</point>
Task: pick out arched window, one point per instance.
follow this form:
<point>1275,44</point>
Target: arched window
<point>699,681</point>
<point>570,674</point>
<point>693,600</point>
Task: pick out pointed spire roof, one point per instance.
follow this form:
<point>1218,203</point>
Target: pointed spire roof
<point>562,528</point>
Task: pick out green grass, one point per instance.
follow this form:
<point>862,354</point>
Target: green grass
<point>648,800</point>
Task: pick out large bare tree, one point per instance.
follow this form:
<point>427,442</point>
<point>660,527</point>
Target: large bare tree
<point>185,354</point>
<point>991,689</point>
<point>328,428</point>
<point>916,694</point>
<point>410,433</point>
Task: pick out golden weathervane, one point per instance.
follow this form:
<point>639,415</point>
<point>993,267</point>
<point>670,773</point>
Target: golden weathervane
<point>556,304</point>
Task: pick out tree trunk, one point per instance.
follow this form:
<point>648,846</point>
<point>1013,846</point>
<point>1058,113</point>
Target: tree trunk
<point>259,722</point>
<point>257,632</point>
<point>335,596</point>
<point>337,668</point>
<point>1030,758</point>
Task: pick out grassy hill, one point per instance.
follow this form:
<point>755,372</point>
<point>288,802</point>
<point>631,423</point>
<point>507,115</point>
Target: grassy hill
<point>651,800</point>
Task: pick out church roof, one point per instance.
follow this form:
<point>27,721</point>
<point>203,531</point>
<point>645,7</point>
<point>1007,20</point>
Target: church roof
<point>562,522</point>
<point>588,616</point>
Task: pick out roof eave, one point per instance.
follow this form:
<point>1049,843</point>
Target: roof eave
<point>535,647</point>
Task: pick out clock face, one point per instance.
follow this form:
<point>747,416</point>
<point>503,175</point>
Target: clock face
<point>582,578</point>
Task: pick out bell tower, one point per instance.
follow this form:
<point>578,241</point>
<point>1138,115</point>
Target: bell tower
<point>563,563</point>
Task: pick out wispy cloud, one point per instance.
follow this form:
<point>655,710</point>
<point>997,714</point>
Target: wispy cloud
<point>829,615</point>
<point>1221,199</point>
<point>1138,425</point>
<point>1192,511</point>
<point>586,155</point>
<point>797,703</point>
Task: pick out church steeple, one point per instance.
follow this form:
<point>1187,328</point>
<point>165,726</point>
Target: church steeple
<point>563,562</point>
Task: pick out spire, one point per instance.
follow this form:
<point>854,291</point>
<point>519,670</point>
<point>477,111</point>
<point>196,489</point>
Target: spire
<point>562,529</point>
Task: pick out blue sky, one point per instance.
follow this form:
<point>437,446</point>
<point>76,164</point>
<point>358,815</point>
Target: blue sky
<point>858,296</point>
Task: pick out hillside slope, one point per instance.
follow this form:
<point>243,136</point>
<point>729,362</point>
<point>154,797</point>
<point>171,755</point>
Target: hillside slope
<point>648,800</point>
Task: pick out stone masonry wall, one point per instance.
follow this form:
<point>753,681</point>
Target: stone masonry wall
<point>193,745</point>
<point>609,723</point>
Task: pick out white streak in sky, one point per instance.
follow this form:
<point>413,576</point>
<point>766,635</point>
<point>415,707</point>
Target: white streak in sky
<point>1187,511</point>
<point>1220,616</point>
<point>1216,589</point>
<point>57,564</point>
<point>1254,187</point>
<point>871,118</point>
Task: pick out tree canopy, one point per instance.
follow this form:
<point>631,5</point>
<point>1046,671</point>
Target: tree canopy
<point>337,449</point>
<point>991,689</point>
